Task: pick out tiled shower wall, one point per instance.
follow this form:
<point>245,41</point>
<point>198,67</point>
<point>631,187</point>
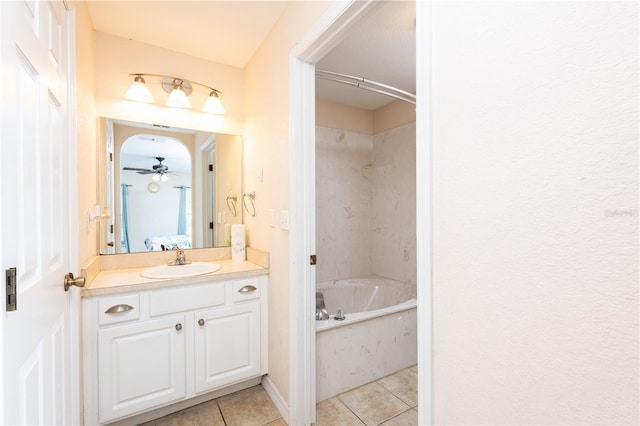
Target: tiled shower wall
<point>365,203</point>
<point>393,241</point>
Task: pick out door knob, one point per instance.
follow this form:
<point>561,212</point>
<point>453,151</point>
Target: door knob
<point>69,280</point>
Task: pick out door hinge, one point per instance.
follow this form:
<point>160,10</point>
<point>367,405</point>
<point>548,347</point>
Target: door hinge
<point>210,167</point>
<point>12,302</point>
<point>111,229</point>
<point>111,156</point>
<point>313,259</point>
<point>210,225</point>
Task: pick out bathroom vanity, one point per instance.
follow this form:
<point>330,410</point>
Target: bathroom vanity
<point>151,343</point>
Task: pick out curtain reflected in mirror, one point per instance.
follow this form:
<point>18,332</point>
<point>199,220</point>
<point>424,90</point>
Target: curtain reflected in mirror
<point>175,187</point>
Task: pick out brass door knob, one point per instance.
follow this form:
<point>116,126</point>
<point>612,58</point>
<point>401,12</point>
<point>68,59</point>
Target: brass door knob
<point>69,280</point>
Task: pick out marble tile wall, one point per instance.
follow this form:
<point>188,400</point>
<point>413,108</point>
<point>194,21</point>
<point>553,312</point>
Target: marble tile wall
<point>343,203</point>
<point>393,241</point>
<point>365,204</point>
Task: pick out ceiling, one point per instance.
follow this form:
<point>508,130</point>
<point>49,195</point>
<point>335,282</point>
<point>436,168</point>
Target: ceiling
<point>227,32</point>
<point>380,48</point>
<point>135,151</point>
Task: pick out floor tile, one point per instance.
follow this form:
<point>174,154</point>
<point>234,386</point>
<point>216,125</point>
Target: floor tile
<point>248,407</point>
<point>373,404</point>
<point>205,414</point>
<point>332,412</point>
<point>414,369</point>
<point>404,385</point>
<point>408,418</point>
<point>278,422</point>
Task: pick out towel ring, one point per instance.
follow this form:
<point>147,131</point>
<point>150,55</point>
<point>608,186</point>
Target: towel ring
<point>231,204</point>
<point>251,196</point>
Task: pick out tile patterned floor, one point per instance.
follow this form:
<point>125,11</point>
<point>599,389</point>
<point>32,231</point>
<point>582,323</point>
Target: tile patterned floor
<point>390,401</point>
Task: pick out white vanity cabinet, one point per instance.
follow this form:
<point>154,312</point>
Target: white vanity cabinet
<point>141,365</point>
<point>227,342</point>
<point>155,347</point>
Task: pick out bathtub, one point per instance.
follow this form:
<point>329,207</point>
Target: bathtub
<point>377,338</point>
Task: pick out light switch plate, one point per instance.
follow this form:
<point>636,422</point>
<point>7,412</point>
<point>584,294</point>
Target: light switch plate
<point>284,219</point>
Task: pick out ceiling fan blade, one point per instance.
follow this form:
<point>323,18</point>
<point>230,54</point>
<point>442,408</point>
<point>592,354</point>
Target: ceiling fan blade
<point>139,171</point>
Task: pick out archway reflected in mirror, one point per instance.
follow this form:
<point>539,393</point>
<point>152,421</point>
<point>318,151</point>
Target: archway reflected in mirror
<point>155,195</point>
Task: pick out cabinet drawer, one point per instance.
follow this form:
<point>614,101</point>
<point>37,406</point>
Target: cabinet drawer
<point>182,299</point>
<point>248,289</point>
<point>121,308</point>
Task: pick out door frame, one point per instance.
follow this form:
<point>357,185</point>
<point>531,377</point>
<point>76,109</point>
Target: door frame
<point>318,41</point>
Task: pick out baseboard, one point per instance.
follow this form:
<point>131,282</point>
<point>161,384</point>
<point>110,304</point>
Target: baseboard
<point>277,399</point>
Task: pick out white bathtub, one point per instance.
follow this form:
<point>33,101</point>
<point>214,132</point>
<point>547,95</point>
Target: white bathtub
<point>377,338</point>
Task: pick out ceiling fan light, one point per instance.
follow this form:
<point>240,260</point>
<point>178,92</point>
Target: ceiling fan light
<point>213,105</point>
<point>177,98</point>
<point>138,91</point>
<point>160,177</point>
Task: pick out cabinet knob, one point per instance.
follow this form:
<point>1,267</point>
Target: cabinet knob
<point>178,326</point>
<point>200,321</point>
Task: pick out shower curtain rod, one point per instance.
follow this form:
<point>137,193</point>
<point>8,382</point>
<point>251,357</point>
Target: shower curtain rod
<point>370,85</point>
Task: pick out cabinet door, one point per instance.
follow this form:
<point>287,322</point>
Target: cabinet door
<point>141,366</point>
<point>227,345</point>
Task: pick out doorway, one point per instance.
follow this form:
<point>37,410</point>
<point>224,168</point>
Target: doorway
<point>325,36</point>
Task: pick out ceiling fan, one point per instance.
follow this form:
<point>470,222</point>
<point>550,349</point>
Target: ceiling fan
<point>159,170</point>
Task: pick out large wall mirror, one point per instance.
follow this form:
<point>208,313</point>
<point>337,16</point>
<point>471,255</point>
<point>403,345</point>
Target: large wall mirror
<point>167,187</point>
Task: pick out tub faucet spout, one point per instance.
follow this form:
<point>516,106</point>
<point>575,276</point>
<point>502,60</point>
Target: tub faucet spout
<point>321,310</point>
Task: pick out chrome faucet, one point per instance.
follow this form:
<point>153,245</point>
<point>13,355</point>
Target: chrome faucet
<point>180,259</point>
<point>321,310</point>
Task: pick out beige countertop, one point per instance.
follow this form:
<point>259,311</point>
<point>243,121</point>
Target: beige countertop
<point>129,279</point>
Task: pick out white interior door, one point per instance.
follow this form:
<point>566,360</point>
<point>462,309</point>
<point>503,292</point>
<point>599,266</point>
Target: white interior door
<point>34,217</point>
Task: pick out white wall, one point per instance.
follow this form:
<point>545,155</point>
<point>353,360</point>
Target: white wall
<point>86,133</point>
<point>116,58</point>
<point>266,133</point>
<point>535,250</point>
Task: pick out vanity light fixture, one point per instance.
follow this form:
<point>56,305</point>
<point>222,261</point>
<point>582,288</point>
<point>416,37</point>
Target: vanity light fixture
<point>138,91</point>
<point>178,88</point>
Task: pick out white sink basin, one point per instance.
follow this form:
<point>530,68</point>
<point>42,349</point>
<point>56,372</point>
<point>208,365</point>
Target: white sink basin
<point>180,271</point>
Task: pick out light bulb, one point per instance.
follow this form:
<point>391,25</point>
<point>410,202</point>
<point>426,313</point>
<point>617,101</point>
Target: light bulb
<point>213,105</point>
<point>177,98</point>
<point>138,91</point>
